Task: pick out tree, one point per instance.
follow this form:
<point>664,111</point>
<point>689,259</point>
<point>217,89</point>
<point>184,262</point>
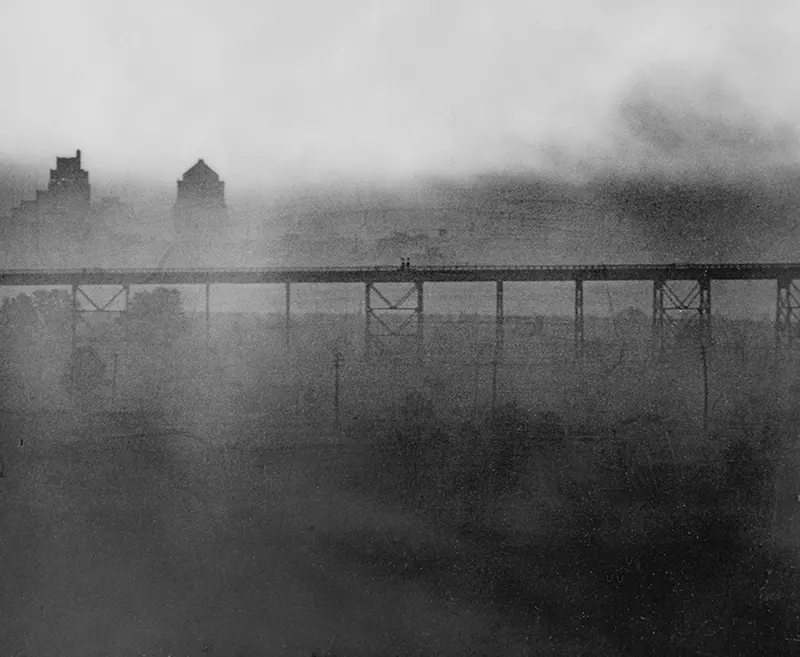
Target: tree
<point>156,324</point>
<point>45,314</point>
<point>87,370</point>
<point>630,317</point>
<point>54,312</point>
<point>157,318</point>
<point>34,340</point>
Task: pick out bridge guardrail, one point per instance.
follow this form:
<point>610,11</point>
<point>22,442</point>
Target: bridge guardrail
<point>392,268</point>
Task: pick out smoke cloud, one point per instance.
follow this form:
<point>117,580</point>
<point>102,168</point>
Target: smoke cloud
<point>705,174</point>
<point>301,90</point>
<point>676,117</point>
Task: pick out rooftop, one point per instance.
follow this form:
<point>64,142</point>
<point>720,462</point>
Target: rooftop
<point>201,172</point>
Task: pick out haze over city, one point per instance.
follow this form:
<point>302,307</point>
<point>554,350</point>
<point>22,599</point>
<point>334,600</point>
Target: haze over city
<point>382,327</point>
<point>672,125</point>
<point>277,93</point>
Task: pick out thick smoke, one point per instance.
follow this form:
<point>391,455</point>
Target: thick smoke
<point>702,172</point>
<point>699,123</point>
<point>690,164</point>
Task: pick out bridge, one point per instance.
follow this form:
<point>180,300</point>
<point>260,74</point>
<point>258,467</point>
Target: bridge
<point>671,307</point>
<point>389,274</point>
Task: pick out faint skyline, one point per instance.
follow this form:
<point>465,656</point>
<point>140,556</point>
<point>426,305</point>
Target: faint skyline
<point>289,91</point>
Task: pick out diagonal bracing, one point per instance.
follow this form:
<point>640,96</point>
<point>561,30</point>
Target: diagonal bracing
<point>78,311</point>
<point>386,319</point>
<point>673,312</point>
<point>787,312</point>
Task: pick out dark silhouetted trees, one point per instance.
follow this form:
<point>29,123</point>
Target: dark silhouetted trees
<point>35,334</point>
<point>157,318</point>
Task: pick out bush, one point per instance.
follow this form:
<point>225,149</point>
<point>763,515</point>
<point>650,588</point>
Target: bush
<point>671,553</point>
<point>448,467</point>
<point>683,541</point>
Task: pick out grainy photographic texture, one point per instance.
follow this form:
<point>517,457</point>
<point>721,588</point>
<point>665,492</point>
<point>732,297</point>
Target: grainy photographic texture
<point>382,328</point>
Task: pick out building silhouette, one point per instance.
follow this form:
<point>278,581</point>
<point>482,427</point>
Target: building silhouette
<point>68,189</point>
<point>200,205</point>
<point>64,208</point>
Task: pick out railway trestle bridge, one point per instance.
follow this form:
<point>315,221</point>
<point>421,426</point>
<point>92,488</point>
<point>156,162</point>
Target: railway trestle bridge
<point>672,307</point>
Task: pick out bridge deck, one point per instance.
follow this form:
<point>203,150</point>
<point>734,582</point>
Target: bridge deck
<point>437,274</point>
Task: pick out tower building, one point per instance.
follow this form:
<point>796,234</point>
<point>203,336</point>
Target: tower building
<point>64,208</point>
<point>200,205</point>
<point>68,189</point>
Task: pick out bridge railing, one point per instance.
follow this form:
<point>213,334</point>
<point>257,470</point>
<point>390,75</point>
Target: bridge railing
<point>420,268</point>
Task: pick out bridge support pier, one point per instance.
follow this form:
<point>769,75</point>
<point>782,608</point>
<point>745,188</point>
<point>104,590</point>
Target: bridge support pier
<point>385,319</point>
<point>368,323</point>
<point>787,311</point>
<point>287,328</point>
<point>499,324</point>
<point>74,327</point>
<point>208,314</point>
<point>126,320</point>
<point>420,324</point>
<point>670,309</point>
<point>579,328</point>
<point>79,292</point>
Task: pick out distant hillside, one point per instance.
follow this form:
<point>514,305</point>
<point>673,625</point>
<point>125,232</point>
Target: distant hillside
<point>710,218</point>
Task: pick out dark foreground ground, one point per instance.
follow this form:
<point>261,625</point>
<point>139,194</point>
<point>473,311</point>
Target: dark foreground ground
<point>123,537</point>
<point>124,546</point>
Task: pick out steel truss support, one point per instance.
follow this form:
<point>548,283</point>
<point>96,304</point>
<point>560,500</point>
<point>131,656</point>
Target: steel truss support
<point>787,313</point>
<point>386,319</point>
<point>90,305</point>
<point>579,330</point>
<point>79,293</point>
<point>674,312</point>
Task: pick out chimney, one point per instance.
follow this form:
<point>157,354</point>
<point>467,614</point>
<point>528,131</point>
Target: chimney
<point>78,156</point>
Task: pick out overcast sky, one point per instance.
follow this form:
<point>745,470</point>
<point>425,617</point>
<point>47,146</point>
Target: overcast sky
<point>297,88</point>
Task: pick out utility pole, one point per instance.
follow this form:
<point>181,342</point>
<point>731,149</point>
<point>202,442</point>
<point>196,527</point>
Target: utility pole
<point>126,316</point>
<point>704,356</point>
<point>287,329</point>
<point>74,317</point>
<point>494,383</point>
<point>499,341</point>
<point>337,361</point>
<point>114,380</point>
<point>208,314</point>
<point>495,360</point>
